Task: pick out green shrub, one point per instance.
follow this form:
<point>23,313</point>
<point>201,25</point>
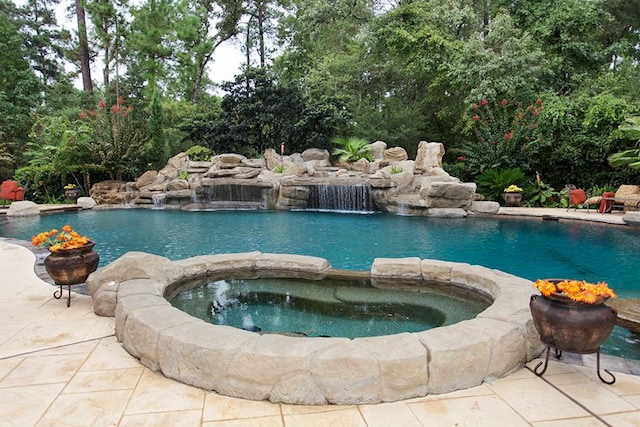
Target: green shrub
<point>395,170</point>
<point>198,153</point>
<point>492,182</point>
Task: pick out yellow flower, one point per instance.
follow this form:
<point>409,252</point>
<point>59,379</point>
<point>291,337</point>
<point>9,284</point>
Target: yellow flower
<point>513,189</point>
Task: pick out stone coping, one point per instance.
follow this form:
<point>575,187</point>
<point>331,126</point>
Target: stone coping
<point>316,371</point>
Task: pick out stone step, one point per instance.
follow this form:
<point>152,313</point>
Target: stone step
<point>628,312</point>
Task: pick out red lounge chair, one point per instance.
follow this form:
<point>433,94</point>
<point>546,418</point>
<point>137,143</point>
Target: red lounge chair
<point>11,191</point>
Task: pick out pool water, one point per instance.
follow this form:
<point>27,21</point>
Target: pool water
<point>335,308</point>
<point>526,247</point>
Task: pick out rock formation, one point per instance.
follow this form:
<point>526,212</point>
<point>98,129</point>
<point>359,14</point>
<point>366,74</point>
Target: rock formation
<point>309,180</point>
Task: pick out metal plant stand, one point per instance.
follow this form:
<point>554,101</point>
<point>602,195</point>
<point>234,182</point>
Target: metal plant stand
<point>558,354</point>
<point>58,293</point>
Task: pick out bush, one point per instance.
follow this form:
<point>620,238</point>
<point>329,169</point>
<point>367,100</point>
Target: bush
<point>491,183</point>
<point>198,153</point>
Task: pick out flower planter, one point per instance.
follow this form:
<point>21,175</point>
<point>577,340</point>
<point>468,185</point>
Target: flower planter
<point>68,267</point>
<point>72,193</point>
<point>512,198</point>
<point>575,327</point>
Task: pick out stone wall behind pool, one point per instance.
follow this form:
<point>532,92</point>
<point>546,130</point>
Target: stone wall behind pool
<point>135,289</point>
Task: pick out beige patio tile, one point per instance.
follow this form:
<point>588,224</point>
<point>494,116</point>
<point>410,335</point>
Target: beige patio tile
<point>86,409</point>
<point>23,406</point>
<point>218,407</point>
<point>475,411</point>
<point>109,354</point>
<point>84,348</point>
<point>633,399</point>
<point>626,419</point>
<point>43,335</point>
<point>312,409</point>
<point>156,393</point>
<point>340,418</point>
<point>536,400</point>
<point>274,421</point>
<point>173,419</point>
<point>8,365</point>
<point>8,331</point>
<point>113,379</point>
<point>571,422</point>
<point>43,370</point>
<point>389,414</point>
<point>480,390</point>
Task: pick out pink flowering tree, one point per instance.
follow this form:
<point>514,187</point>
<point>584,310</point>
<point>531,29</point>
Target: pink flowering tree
<point>110,138</point>
<point>505,132</point>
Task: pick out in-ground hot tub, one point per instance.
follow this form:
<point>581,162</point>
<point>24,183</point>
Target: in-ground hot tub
<point>137,287</point>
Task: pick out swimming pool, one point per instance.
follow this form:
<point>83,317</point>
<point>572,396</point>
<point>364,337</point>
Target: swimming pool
<point>529,248</point>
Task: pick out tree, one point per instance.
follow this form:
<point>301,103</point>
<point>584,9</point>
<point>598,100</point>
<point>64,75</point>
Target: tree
<point>83,47</point>
<point>265,115</point>
<point>45,43</point>
<point>203,25</point>
<point>20,89</point>
<point>109,25</point>
<point>150,47</point>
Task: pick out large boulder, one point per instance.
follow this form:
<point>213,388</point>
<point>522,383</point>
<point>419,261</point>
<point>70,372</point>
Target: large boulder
<point>315,154</point>
<point>429,158</point>
<point>272,158</point>
<point>86,202</point>
<point>147,178</point>
<point>23,208</point>
<point>377,150</point>
<point>109,192</point>
<point>395,154</point>
<point>441,194</point>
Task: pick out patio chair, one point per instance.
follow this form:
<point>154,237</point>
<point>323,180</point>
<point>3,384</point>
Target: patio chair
<point>577,197</point>
<point>11,191</point>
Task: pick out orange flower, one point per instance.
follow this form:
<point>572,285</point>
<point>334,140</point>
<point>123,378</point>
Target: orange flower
<point>55,240</point>
<point>576,290</point>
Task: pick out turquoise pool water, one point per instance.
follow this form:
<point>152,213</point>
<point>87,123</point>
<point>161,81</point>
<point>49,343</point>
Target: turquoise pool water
<point>529,248</point>
<point>335,308</point>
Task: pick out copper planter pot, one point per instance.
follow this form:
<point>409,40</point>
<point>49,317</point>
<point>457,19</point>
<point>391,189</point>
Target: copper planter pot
<point>72,266</point>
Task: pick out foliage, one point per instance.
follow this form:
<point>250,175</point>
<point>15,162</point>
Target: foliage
<point>629,158</point>
<point>505,133</point>
<point>279,168</point>
<point>577,134</point>
<point>257,113</point>
<point>159,150</point>
<point>352,149</point>
<point>198,153</point>
<point>492,182</point>
<point>395,170</point>
<point>111,138</point>
<point>543,195</point>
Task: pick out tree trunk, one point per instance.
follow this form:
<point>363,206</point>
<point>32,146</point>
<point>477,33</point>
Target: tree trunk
<point>87,84</point>
<point>261,32</point>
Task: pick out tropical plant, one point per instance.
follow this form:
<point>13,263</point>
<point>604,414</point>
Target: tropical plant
<point>543,195</point>
<point>492,182</point>
<point>629,158</point>
<point>352,149</point>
